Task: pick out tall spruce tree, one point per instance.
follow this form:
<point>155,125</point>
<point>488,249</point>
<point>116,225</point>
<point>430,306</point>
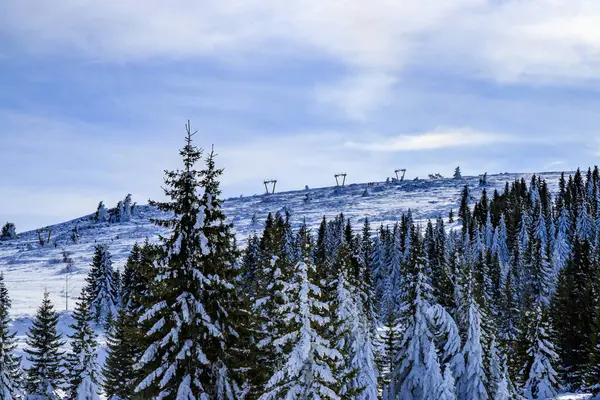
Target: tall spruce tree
<point>309,357</point>
<point>45,374</point>
<point>187,325</point>
<point>417,373</point>
<point>82,360</point>
<point>101,286</point>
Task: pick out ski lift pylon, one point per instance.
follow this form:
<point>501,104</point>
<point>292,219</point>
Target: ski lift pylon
<point>403,170</point>
<point>271,183</point>
<point>337,180</point>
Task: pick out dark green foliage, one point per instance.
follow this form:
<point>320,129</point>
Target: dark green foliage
<point>101,287</point>
<point>573,314</point>
<point>8,231</point>
<point>43,352</point>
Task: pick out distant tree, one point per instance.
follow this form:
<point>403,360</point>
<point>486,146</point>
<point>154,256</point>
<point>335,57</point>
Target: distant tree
<point>457,174</point>
<point>483,180</point>
<point>75,234</point>
<point>451,216</point>
<point>126,212</point>
<point>9,231</point>
<point>101,213</point>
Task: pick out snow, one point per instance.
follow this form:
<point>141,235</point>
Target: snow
<point>30,268</point>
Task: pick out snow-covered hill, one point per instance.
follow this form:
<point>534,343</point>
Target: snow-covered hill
<point>29,268</point>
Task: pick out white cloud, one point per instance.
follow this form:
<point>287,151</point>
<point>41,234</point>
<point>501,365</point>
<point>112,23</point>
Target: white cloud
<point>539,41</point>
<point>360,95</point>
<point>376,34</point>
<point>510,40</point>
<point>433,140</point>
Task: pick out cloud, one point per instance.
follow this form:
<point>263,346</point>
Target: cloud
<point>360,95</point>
<point>375,34</point>
<point>508,40</point>
<point>433,141</point>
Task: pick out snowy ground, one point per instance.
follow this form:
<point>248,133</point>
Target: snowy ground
<point>29,268</point>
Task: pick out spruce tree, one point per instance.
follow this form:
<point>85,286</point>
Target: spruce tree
<point>457,173</point>
<point>417,373</point>
<point>125,339</point>
<point>45,374</point>
<point>121,355</point>
<point>101,290</point>
<point>573,330</point>
<point>474,381</point>
<point>187,327</point>
<point>10,371</point>
<point>309,358</point>
<point>541,383</point>
<point>81,361</point>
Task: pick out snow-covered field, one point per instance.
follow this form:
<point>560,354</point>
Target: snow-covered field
<point>29,268</point>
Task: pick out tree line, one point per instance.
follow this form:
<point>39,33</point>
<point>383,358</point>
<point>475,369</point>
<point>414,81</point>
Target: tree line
<point>505,307</point>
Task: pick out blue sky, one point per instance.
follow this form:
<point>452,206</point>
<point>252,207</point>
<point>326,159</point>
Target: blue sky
<point>94,95</point>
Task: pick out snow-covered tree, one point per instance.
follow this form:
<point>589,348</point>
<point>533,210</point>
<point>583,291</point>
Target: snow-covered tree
<point>417,373</point>
<point>457,173</point>
<point>101,213</point>
<point>308,357</point>
<point>448,389</point>
<point>44,376</point>
<point>10,371</point>
<point>9,231</point>
<point>125,339</point>
<point>472,384</point>
<point>127,207</point>
<point>101,291</point>
<point>187,325</point>
<point>541,381</point>
<point>81,361</point>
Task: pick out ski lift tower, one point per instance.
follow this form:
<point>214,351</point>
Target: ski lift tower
<point>270,183</point>
<point>403,170</point>
<point>337,178</point>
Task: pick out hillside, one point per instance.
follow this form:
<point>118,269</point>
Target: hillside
<point>29,268</point>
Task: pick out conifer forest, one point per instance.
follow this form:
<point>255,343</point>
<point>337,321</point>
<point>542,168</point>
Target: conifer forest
<point>505,305</point>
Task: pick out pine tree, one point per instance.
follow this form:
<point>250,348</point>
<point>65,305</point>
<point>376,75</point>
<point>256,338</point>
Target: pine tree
<point>9,231</point>
<point>10,372</point>
<point>44,376</point>
<point>541,381</point>
<point>125,339</point>
<point>100,289</point>
<point>573,330</point>
<point>473,382</point>
<point>187,327</point>
<point>126,214</point>
<point>457,174</point>
<point>120,361</point>
<point>388,342</point>
<point>448,389</point>
<point>225,305</point>
<point>464,212</point>
<point>82,366</point>
<point>417,372</point>
<point>307,369</point>
<point>101,213</point>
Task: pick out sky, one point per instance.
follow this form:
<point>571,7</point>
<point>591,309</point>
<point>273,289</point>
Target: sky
<point>94,95</point>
